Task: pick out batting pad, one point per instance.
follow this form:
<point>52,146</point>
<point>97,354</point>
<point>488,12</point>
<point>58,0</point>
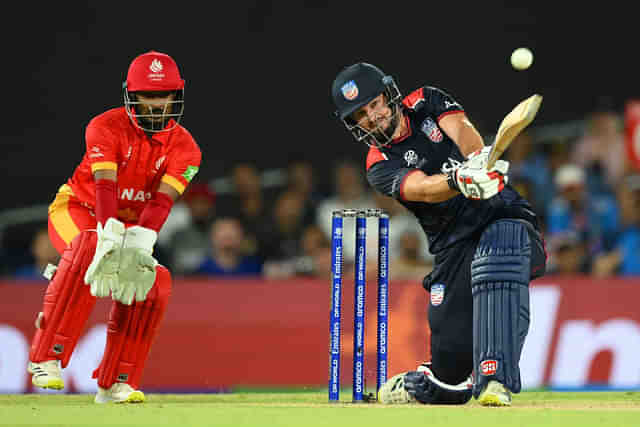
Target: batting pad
<point>500,273</point>
<point>67,303</point>
<point>130,333</point>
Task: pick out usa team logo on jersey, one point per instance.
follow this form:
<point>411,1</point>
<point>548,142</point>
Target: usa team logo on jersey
<point>349,90</point>
<point>430,128</point>
<point>437,294</point>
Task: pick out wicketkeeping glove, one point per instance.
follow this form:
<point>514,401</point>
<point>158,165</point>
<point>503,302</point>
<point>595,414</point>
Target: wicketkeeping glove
<point>137,271</point>
<point>102,274</point>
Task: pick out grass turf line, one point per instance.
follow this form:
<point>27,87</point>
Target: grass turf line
<point>310,409</point>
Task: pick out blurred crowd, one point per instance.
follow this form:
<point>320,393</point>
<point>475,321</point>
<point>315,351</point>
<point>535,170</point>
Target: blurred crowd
<point>583,189</point>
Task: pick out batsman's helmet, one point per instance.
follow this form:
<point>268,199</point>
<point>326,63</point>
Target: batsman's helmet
<point>154,72</point>
<point>356,86</point>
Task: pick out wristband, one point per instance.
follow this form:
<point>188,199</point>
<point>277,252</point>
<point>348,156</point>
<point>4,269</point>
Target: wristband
<point>451,180</point>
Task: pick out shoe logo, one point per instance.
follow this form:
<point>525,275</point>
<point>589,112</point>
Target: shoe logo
<point>58,348</point>
<point>123,378</point>
<point>489,367</point>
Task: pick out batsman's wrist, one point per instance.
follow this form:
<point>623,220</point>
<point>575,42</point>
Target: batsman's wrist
<point>451,180</point>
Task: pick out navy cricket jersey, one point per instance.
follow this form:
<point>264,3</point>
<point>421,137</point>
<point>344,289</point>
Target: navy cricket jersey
<point>427,148</point>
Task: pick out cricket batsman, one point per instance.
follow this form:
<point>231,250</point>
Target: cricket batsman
<point>104,222</point>
<point>425,153</point>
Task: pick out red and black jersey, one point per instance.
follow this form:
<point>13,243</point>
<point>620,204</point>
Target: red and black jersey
<point>427,148</point>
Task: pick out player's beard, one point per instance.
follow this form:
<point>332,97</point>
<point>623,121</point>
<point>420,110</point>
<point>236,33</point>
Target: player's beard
<point>384,136</point>
<point>156,123</point>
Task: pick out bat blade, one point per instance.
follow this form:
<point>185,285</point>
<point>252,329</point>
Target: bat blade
<point>512,124</point>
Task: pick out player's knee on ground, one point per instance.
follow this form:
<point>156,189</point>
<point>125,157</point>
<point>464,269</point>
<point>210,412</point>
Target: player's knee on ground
<point>500,275</point>
<point>451,367</point>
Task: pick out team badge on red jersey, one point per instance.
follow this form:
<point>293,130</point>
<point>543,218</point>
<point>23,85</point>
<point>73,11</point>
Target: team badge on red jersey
<point>430,128</point>
<point>349,90</point>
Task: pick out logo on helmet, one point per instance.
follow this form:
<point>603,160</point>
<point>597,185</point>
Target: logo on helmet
<point>156,68</point>
<point>349,90</point>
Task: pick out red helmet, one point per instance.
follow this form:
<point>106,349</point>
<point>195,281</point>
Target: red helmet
<point>154,72</point>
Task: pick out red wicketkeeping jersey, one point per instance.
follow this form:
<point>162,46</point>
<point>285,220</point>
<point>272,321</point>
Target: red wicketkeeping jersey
<point>142,162</point>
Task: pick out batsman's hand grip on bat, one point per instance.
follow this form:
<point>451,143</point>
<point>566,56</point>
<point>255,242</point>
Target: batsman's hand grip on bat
<point>473,179</point>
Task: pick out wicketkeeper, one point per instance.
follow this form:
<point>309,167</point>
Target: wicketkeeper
<point>425,153</point>
<point>104,222</point>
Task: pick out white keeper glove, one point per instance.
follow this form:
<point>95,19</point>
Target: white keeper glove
<point>137,271</point>
<point>102,274</point>
<point>473,179</point>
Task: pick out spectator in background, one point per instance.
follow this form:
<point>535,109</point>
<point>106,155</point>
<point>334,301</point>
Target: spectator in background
<point>600,151</point>
<point>576,209</point>
<point>313,260</point>
<point>568,254</point>
<point>189,245</point>
<point>227,256</point>
<point>247,203</point>
<point>529,168</point>
<point>349,192</point>
<point>280,241</point>
<point>624,259</point>
<point>316,249</point>
<point>408,264</point>
<point>178,218</point>
<point>401,222</point>
<point>43,253</point>
<point>302,181</point>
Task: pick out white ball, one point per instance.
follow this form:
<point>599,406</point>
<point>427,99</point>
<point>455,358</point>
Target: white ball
<point>521,58</point>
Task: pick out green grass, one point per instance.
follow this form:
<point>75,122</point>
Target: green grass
<point>310,409</point>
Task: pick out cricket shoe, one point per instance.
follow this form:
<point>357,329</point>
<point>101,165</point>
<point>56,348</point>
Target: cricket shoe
<point>495,394</point>
<point>46,374</point>
<point>119,393</point>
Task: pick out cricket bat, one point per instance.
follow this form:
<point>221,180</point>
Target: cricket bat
<point>512,124</point>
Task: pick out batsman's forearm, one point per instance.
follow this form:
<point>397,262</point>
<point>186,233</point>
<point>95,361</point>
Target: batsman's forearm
<point>428,188</point>
<point>468,139</point>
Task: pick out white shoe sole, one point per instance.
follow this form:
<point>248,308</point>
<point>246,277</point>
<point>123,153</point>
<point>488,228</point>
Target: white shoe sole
<point>134,397</point>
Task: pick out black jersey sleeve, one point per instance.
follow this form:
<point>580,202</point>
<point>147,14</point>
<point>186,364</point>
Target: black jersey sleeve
<point>439,103</point>
<point>387,176</point>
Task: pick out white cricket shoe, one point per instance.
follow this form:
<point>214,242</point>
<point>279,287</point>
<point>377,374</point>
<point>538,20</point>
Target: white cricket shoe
<point>46,374</point>
<point>495,394</point>
<point>393,391</point>
<point>119,393</point>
